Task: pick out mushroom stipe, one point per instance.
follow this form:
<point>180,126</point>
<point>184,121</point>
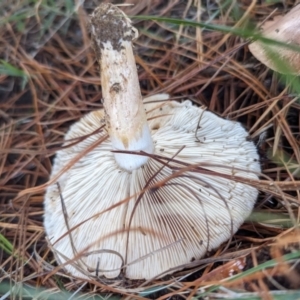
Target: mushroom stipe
<point>123,208</point>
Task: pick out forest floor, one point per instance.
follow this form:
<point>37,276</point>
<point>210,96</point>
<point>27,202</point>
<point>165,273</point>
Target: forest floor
<point>49,78</point>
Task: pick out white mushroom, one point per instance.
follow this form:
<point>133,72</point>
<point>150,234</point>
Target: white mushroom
<point>107,219</point>
<point>284,29</point>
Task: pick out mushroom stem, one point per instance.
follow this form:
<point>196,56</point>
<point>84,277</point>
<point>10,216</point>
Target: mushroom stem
<point>112,35</point>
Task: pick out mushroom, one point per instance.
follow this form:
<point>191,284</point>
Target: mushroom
<point>283,29</point>
<point>126,207</point>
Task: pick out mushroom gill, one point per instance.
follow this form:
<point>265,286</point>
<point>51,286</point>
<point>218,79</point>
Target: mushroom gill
<point>146,221</point>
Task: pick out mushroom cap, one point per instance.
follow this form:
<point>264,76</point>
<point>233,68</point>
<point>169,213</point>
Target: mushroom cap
<point>284,29</point>
<point>168,225</point>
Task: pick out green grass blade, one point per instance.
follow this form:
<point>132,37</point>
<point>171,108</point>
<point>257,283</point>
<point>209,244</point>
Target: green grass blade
<point>247,33</point>
<point>8,69</point>
<point>5,245</point>
<point>265,265</point>
<point>24,291</point>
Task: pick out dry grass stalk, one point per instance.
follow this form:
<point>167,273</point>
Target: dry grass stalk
<point>63,81</point>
